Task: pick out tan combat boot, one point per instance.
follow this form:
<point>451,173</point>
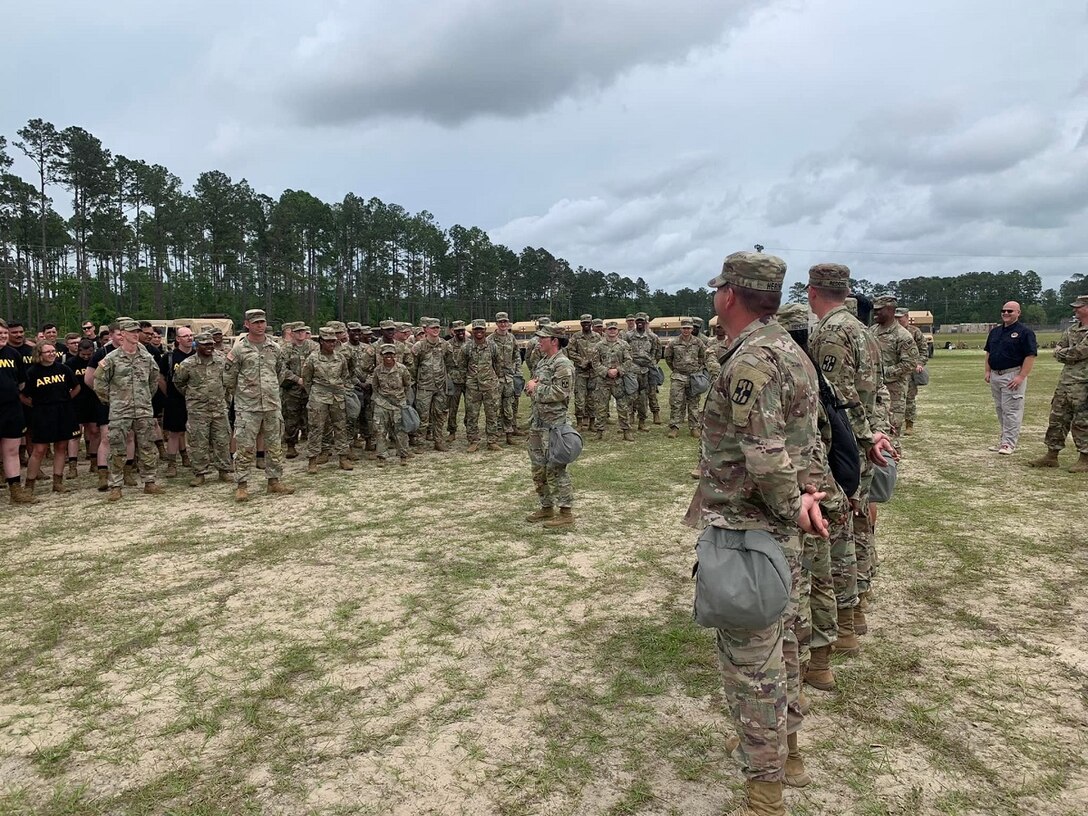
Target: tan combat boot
<point>185,459</point>
<point>30,484</point>
<point>154,489</point>
<point>225,476</point>
<point>115,494</point>
<point>73,471</point>
<point>473,447</point>
<point>796,775</point>
<point>657,417</point>
<point>510,439</point>
<point>819,674</point>
<point>541,514</point>
<point>628,436</point>
<point>197,481</point>
<point>452,437</point>
<point>1081,465</point>
<point>323,459</point>
<point>129,475</point>
<point>381,461</point>
<point>58,484</point>
<point>171,466</point>
<point>276,486</point>
<point>848,643</point>
<point>861,625</point>
<point>693,433</point>
<point>1048,459</point>
<point>763,799</point>
<point>642,425</point>
<point>241,494</point>
<point>564,519</point>
<point>292,452</point>
<point>16,494</point>
<point>600,436</point>
<point>493,446</point>
<point>311,467</point>
<point>345,463</point>
<point>440,444</point>
<point>673,433</point>
<point>908,428</point>
<point>161,448</point>
<point>103,479</point>
<point>404,461</point>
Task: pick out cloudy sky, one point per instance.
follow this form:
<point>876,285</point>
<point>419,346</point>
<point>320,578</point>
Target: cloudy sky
<point>632,136</point>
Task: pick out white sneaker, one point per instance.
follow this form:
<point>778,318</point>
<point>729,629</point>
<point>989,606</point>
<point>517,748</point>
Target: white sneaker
<point>1006,450</point>
<point>994,448</point>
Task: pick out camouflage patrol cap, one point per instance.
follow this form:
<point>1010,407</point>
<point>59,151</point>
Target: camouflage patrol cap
<point>586,318</point>
<point>128,325</point>
<point>612,324</point>
<point>479,323</point>
<point>501,316</point>
<point>793,317</point>
<point>698,321</point>
<point>457,325</point>
<point>354,325</point>
<point>884,300</point>
<point>217,331</point>
<point>123,318</point>
<point>851,304</point>
<point>598,321</point>
<point>286,327</point>
<point>208,329</point>
<point>642,316</point>
<point>388,348</point>
<point>543,321</point>
<point>829,276</point>
<point>551,330</point>
<point>254,315</point>
<point>327,333</point>
<point>1081,300</point>
<point>303,328</point>
<point>337,326</point>
<point>901,312</point>
<point>686,323</point>
<point>402,326</point>
<point>204,339</point>
<point>630,317</point>
<point>365,329</point>
<point>751,270</point>
<point>387,324</point>
<point>430,323</point>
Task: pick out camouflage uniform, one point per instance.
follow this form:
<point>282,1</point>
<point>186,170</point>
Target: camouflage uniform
<point>644,353</point>
<point>760,451</point>
<point>363,358</point>
<point>899,356</point>
<point>389,387</point>
<point>605,355</point>
<point>579,352</point>
<point>482,363</point>
<point>126,383</point>
<point>455,368</point>
<point>509,365</point>
<point>292,396</point>
<point>327,378</point>
<point>554,386</point>
<point>1069,406</point>
<point>685,356</point>
<point>254,372</point>
<point>911,410</point>
<point>429,371</point>
<point>201,381</point>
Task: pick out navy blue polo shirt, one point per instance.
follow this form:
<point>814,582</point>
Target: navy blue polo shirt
<point>1010,345</point>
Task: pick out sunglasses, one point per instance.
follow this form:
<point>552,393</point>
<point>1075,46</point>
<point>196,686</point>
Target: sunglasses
<point>88,327</point>
<point>1008,311</point>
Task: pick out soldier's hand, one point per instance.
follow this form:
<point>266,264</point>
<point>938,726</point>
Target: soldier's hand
<point>881,445</point>
<point>987,376</point>
<point>1016,382</point>
<point>811,518</point>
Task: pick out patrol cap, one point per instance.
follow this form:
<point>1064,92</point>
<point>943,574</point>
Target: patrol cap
<point>751,270</point>
<point>550,330</point>
<point>255,314</point>
<point>430,323</point>
<point>543,321</point>
<point>327,333</point>
<point>286,327</point>
<point>698,321</point>
<point>586,318</point>
<point>479,323</point>
<point>1081,300</point>
<point>354,325</point>
<point>598,321</point>
<point>884,300</point>
<point>630,317</point>
<point>901,312</point>
<point>387,324</point>
<point>611,324</point>
<point>500,316</point>
<point>128,325</point>
<point>829,276</point>
<point>303,328</point>
<point>337,326</point>
<point>204,339</point>
<point>417,330</point>
<point>217,331</point>
<point>366,329</point>
<point>642,316</point>
<point>686,323</point>
<point>388,348</point>
<point>457,325</point>
<point>402,326</point>
<point>793,316</point>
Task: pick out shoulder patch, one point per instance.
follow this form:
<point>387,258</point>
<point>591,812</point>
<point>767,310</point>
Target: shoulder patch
<point>746,382</point>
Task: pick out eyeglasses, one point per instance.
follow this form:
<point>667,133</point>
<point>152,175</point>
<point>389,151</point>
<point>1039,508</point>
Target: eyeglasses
<point>1008,311</point>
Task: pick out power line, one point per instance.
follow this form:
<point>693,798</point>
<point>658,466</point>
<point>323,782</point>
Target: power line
<point>922,254</point>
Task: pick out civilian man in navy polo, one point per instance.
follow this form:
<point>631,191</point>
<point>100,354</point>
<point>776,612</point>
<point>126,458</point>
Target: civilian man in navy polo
<point>1010,353</point>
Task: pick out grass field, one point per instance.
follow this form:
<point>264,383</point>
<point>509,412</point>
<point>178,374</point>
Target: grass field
<point>403,643</point>
<point>978,341</point>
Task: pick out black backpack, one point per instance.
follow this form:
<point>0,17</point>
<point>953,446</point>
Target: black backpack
<point>843,458</point>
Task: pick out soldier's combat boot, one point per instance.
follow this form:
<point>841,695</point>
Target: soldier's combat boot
<point>493,446</point>
<point>696,473</point>
<point>1081,465</point>
<point>197,481</point>
<point>357,442</point>
<point>241,493</point>
<point>861,625</point>
<point>518,432</point>
<point>16,494</point>
<point>73,471</point>
<point>129,475</point>
<point>673,432</point>
<point>541,514</point>
<point>103,479</point>
<point>346,464</point>
<point>819,674</point>
<point>848,643</point>
<point>381,461</point>
<point>30,486</point>
<point>452,437</point>
<point>276,486</point>
<point>404,461</point>
<point>322,459</point>
<point>225,476</point>
<point>154,489</point>
<point>58,483</point>
<point>510,439</point>
<point>292,453</point>
<point>657,417</point>
<point>908,428</point>
<point>642,425</point>
<point>1048,459</point>
<point>185,458</point>
<point>564,519</point>
<point>440,444</point>
<point>796,775</point>
<point>171,465</point>
<point>473,447</point>
<point>115,494</point>
<point>762,799</point>
<point>628,435</point>
<point>693,433</point>
<point>803,702</point>
<point>311,466</point>
<point>161,448</point>
<point>600,436</point>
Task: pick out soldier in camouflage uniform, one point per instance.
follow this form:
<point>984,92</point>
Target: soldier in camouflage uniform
<point>509,365</point>
<point>455,368</point>
<point>532,350</point>
<point>550,390</point>
<point>125,381</point>
<point>292,394</point>
<point>201,380</point>
<point>327,376</point>
<point>364,359</point>
<point>598,328</point>
<point>611,359</point>
<point>716,346</point>
<point>1069,407</point>
<point>760,470</point>
<point>911,411</point>
<point>481,360</point>
<point>644,354</point>
<point>254,372</point>
<point>579,352</point>
<point>899,357</point>
<point>685,356</point>
<point>389,385</point>
<point>429,372</point>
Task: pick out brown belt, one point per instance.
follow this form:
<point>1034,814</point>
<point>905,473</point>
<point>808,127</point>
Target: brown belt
<point>1004,370</point>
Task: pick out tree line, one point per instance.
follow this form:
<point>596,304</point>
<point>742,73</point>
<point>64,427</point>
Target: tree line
<point>138,242</point>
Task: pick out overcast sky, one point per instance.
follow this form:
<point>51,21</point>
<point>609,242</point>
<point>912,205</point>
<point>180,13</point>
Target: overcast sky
<point>632,136</point>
